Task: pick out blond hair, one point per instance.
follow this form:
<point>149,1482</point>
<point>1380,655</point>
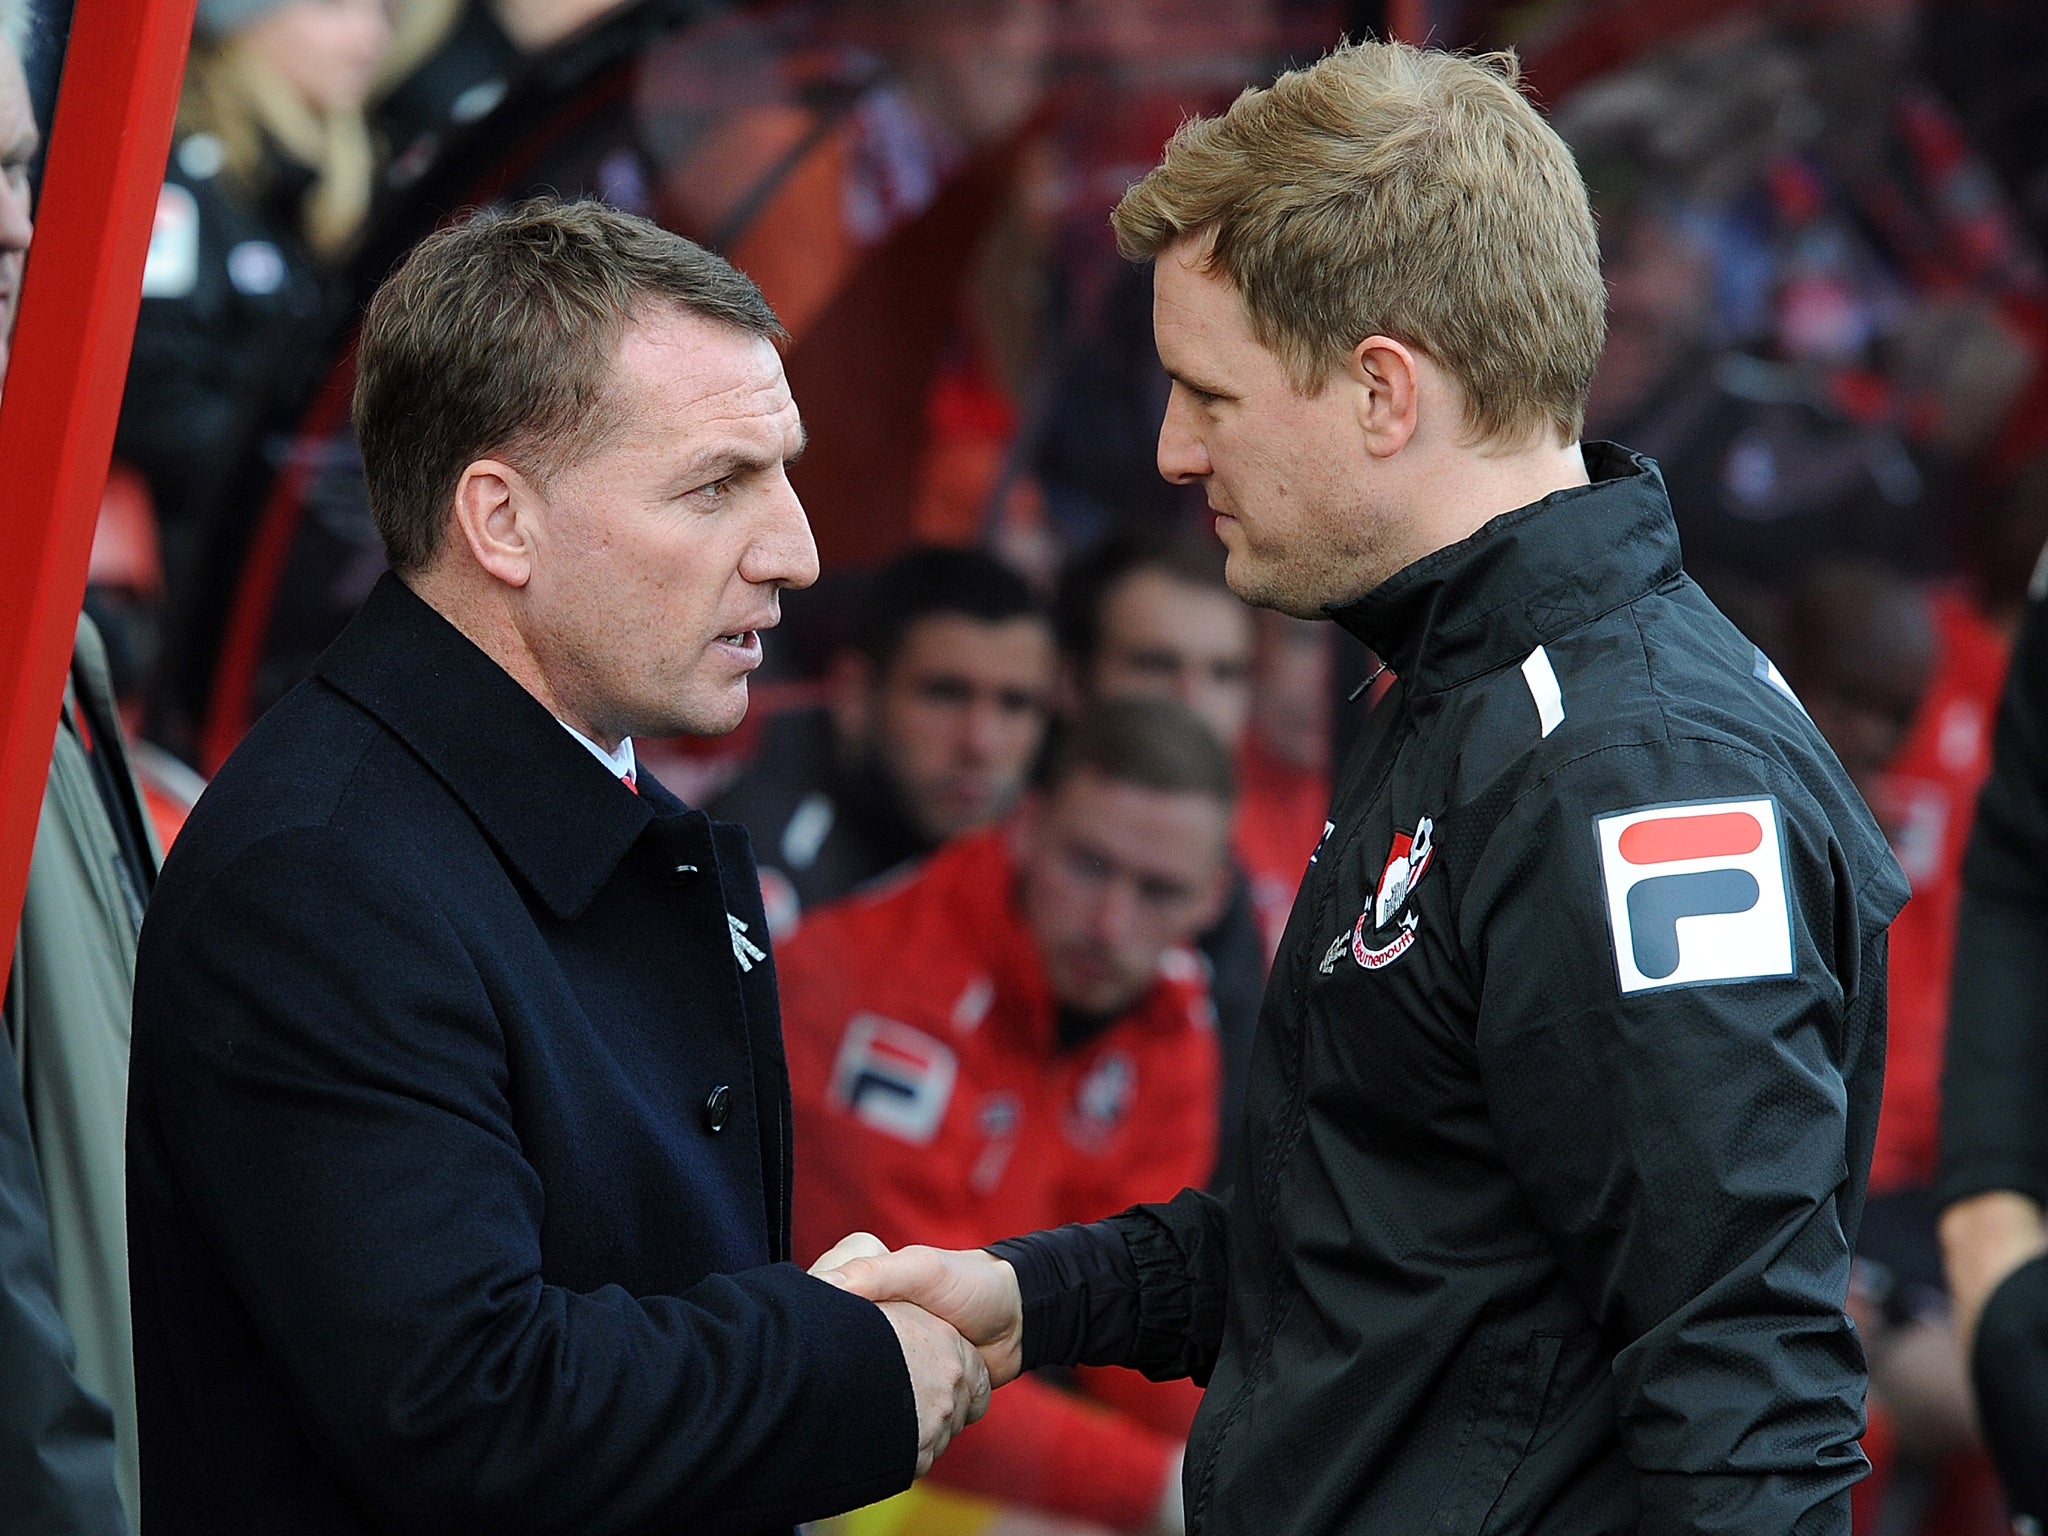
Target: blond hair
<point>1396,191</point>
<point>231,95</point>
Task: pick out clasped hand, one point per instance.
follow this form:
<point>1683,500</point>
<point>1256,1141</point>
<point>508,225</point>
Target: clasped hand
<point>958,1316</point>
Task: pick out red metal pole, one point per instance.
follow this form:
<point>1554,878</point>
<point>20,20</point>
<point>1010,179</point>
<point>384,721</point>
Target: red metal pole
<point>83,285</point>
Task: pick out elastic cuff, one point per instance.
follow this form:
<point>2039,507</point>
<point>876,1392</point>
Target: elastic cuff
<point>1174,1310</point>
<point>1079,1289</point>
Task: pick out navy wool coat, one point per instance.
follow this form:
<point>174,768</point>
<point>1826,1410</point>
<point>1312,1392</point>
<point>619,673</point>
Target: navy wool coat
<point>459,1142</point>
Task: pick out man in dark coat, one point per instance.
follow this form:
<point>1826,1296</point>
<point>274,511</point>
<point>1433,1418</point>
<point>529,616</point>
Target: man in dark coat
<point>459,1131</point>
<point>1562,1099</point>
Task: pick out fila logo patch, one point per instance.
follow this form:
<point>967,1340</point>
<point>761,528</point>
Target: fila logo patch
<point>1696,893</point>
<point>897,1079</point>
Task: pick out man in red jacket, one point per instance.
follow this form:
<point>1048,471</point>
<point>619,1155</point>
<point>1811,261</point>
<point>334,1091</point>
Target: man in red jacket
<point>1016,1035</point>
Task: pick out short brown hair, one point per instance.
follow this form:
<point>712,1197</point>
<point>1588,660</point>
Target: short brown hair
<point>1155,744</point>
<point>497,336</point>
<point>1403,192</point>
<point>1089,580</point>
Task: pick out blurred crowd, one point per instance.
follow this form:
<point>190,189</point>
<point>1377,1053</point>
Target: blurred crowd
<point>1030,789</point>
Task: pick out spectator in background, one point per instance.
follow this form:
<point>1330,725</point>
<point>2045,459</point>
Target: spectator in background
<point>1145,616</point>
<point>66,1462</point>
<point>1859,646</point>
<point>1994,1152</point>
<point>936,713</point>
<point>268,181</point>
<point>451,62</point>
<point>1283,767</point>
<point>1014,1037</point>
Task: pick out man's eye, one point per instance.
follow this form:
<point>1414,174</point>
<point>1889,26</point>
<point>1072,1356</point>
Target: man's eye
<point>715,491</point>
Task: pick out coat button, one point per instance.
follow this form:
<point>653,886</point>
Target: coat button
<point>681,874</point>
<point>718,1108</point>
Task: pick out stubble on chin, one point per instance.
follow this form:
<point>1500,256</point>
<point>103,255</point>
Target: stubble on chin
<point>1267,584</point>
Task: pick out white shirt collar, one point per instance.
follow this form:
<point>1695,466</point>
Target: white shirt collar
<point>620,762</point>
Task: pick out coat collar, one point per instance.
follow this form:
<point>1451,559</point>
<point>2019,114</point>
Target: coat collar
<point>550,808</point>
<point>1524,579</point>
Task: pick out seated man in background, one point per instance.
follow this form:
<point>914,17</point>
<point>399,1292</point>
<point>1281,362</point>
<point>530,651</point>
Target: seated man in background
<point>936,713</point>
<point>1142,616</point>
<point>1015,1036</point>
<point>1283,765</point>
<point>1860,648</point>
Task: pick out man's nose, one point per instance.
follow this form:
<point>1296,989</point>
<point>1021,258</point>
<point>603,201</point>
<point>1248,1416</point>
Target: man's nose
<point>1116,914</point>
<point>982,731</point>
<point>16,225</point>
<point>1182,454</point>
<point>783,551</point>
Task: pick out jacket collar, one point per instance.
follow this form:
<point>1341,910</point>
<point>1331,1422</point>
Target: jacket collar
<point>1524,579</point>
<point>546,804</point>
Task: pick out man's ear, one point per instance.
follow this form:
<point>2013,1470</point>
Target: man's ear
<point>849,694</point>
<point>1385,382</point>
<point>497,517</point>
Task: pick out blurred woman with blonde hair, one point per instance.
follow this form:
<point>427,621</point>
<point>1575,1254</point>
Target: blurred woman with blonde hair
<point>269,180</point>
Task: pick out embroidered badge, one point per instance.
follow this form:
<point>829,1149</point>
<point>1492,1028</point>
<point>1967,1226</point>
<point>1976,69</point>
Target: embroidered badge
<point>744,949</point>
<point>1407,861</point>
<point>1102,1101</point>
<point>1696,893</point>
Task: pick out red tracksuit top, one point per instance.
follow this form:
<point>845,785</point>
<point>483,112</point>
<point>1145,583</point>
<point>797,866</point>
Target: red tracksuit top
<point>1926,803</point>
<point>934,1105</point>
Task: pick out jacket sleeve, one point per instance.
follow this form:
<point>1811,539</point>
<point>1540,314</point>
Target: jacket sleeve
<point>1994,1133</point>
<point>56,1439</point>
<point>343,1133</point>
<point>1144,1289</point>
<point>1691,1150</point>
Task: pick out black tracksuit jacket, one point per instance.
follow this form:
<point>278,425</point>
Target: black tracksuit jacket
<point>1994,1100</point>
<point>1564,1092</point>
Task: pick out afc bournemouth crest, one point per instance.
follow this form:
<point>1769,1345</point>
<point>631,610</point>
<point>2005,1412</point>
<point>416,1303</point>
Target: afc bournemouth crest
<point>1386,930</point>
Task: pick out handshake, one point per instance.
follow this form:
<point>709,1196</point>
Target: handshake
<point>958,1316</point>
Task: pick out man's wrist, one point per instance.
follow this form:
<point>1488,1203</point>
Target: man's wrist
<point>1077,1290</point>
